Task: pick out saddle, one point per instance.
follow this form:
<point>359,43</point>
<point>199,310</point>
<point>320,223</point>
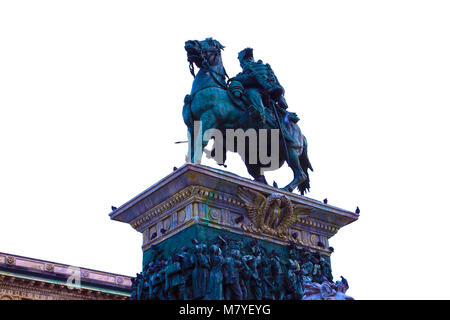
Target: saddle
<point>241,101</point>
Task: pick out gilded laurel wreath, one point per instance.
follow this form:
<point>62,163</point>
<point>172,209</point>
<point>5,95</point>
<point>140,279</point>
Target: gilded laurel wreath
<point>274,214</point>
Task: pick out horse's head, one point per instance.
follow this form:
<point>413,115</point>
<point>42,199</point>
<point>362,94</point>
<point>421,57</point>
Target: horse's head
<point>203,53</point>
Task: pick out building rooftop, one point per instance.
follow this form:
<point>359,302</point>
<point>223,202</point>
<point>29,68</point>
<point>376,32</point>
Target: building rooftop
<point>30,278</point>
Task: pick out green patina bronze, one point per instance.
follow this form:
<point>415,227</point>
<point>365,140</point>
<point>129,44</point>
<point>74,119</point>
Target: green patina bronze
<point>210,264</point>
<point>253,99</point>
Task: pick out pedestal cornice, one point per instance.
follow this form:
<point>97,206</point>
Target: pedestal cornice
<point>196,194</point>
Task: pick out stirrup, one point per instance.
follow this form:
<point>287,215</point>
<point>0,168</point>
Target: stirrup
<point>256,114</point>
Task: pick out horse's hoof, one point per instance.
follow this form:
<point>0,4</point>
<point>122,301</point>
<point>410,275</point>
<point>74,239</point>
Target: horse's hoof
<point>287,188</point>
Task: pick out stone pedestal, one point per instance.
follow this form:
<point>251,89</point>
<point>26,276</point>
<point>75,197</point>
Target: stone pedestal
<point>198,204</point>
<point>199,201</point>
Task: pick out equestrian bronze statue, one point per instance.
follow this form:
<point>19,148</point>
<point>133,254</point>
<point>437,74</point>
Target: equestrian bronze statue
<point>253,99</point>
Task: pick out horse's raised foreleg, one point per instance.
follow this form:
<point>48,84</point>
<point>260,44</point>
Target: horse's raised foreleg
<point>294,164</point>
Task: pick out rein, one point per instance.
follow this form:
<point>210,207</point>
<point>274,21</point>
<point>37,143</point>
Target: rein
<point>206,65</point>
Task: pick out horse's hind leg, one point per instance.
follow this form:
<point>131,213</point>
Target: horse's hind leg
<point>294,164</point>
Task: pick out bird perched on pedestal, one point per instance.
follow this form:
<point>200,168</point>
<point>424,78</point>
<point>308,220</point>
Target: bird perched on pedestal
<point>325,200</point>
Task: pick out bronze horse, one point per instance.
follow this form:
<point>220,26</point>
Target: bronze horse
<point>210,103</point>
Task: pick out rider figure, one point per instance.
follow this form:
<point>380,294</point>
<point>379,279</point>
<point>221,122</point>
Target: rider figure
<point>260,83</point>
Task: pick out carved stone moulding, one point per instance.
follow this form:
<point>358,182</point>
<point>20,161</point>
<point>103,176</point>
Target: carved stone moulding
<point>199,195</point>
<point>204,214</point>
<point>18,288</point>
<point>29,278</point>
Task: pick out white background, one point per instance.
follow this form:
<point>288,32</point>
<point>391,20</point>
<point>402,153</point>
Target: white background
<point>90,106</point>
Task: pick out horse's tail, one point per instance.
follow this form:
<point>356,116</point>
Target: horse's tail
<point>305,164</point>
